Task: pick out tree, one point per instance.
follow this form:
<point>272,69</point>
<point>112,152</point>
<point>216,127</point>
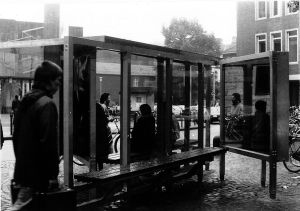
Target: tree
<point>294,5</point>
<point>190,36</point>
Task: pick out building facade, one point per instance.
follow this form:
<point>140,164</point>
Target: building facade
<point>270,26</point>
<point>13,81</point>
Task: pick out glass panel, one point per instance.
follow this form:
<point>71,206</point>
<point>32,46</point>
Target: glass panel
<point>108,81</point>
<point>143,101</point>
<point>17,67</point>
<point>276,35</point>
<point>178,104</point>
<point>261,37</point>
<point>293,49</point>
<point>194,105</point>
<point>262,46</point>
<point>20,62</point>
<point>292,33</point>
<point>277,45</point>
<point>261,7</point>
<point>275,8</point>
<point>247,108</point>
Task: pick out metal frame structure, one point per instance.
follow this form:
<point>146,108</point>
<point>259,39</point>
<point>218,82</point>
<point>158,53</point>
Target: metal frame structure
<point>165,58</point>
<point>279,86</point>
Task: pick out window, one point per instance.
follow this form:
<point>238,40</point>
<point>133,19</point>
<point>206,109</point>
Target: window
<point>262,80</point>
<point>275,8</point>
<point>260,10</point>
<point>138,99</point>
<point>261,43</point>
<point>292,45</point>
<point>135,82</point>
<point>275,41</point>
<point>290,10</point>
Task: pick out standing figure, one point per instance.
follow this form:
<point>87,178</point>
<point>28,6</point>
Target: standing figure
<point>35,136</point>
<point>143,133</point>
<point>15,104</point>
<point>103,135</point>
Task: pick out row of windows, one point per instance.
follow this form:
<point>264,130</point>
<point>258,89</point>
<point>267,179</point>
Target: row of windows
<point>275,9</point>
<point>291,43</point>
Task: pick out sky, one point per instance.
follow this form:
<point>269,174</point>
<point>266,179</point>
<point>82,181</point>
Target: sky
<point>138,20</point>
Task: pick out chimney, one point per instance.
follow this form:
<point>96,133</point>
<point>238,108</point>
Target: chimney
<point>51,21</point>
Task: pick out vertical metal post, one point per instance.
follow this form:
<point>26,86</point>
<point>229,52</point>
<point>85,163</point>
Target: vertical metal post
<point>68,111</point>
<point>200,117</point>
<point>125,107</point>
<point>160,106</point>
<point>169,103</point>
<point>222,104</point>
<point>207,100</point>
<point>187,103</point>
<point>200,104</point>
<point>92,105</point>
<point>263,173</point>
<point>273,128</point>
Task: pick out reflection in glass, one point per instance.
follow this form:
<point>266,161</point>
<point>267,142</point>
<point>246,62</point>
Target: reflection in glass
<point>247,107</point>
<point>143,104</point>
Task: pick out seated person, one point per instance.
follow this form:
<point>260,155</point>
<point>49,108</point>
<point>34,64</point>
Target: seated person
<point>143,133</point>
<point>236,107</point>
<point>260,137</point>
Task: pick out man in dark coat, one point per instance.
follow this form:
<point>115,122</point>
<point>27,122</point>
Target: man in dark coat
<point>103,134</point>
<point>35,136</point>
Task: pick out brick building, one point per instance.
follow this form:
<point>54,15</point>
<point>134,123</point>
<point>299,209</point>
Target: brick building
<point>270,26</point>
<point>12,80</point>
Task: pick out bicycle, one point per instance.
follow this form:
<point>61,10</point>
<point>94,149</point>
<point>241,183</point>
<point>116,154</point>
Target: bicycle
<point>233,129</point>
<point>293,164</point>
<point>115,136</point>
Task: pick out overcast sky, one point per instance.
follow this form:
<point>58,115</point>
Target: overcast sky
<point>138,20</point>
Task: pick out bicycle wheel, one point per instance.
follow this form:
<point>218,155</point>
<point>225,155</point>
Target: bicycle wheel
<point>117,144</point>
<point>293,164</point>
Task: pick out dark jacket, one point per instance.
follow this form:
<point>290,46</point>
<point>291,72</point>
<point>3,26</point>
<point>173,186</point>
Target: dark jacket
<point>103,134</point>
<point>260,139</point>
<point>143,135</point>
<point>35,141</point>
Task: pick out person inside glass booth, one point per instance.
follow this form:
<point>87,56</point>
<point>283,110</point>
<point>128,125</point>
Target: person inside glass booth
<point>143,133</point>
<point>236,107</point>
<point>260,134</point>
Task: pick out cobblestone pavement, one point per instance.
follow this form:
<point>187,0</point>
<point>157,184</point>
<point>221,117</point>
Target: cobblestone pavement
<point>241,189</point>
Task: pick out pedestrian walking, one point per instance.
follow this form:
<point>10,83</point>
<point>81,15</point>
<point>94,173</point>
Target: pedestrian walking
<point>35,137</point>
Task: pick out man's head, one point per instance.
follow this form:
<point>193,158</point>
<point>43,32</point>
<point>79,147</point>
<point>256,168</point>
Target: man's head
<point>16,97</point>
<point>145,109</point>
<point>105,99</point>
<point>236,98</point>
<point>261,105</point>
<point>47,77</point>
